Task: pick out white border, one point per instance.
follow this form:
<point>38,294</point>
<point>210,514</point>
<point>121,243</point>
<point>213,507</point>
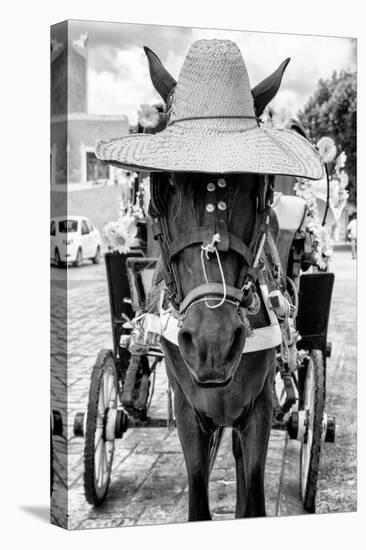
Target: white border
<point>25,269</point>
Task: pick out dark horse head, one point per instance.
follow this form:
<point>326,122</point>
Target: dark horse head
<point>209,226</point>
<point>212,332</point>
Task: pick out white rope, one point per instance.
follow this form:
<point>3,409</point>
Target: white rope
<point>211,248</point>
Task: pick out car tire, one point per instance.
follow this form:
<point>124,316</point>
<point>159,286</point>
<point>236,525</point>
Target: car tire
<point>97,257</point>
<point>57,258</point>
<point>79,258</point>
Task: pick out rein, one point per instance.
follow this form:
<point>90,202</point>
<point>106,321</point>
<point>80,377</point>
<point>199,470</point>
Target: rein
<point>213,238</point>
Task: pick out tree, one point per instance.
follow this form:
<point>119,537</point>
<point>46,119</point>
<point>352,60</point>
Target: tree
<point>332,111</point>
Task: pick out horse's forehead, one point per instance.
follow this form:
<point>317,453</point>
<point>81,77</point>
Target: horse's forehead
<point>195,199</point>
<point>199,183</point>
<point>197,191</point>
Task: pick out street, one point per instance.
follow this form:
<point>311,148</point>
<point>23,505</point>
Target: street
<point>148,482</point>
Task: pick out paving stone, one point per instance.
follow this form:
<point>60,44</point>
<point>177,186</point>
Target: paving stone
<point>155,515</point>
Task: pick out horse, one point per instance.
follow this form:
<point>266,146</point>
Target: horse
<point>215,385</point>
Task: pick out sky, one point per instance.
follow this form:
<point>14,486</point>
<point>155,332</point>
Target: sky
<point>118,76</point>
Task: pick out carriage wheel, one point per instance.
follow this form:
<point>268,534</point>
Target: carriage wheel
<point>99,433</point>
<point>313,404</point>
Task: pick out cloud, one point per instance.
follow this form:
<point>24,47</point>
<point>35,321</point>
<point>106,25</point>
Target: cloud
<point>312,58</point>
<point>124,89</point>
<point>106,39</point>
<point>119,80</point>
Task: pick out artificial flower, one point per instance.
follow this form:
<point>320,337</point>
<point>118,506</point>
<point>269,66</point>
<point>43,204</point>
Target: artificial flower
<point>148,116</point>
<point>121,234</point>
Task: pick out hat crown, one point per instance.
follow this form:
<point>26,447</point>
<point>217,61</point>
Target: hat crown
<point>216,129</point>
<point>213,82</point>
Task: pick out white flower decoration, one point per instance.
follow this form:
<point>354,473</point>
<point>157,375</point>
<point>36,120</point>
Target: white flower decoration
<point>121,234</point>
<point>148,116</point>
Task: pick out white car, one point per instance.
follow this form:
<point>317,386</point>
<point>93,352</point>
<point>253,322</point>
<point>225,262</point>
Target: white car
<point>74,239</point>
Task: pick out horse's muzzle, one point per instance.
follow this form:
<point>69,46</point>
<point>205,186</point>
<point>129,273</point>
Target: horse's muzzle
<point>212,349</point>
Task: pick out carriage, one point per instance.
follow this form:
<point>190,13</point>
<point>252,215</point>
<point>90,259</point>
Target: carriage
<point>122,379</point>
<point>222,244</point>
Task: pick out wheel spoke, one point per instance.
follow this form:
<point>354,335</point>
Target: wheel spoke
<point>105,388</point>
<point>105,459</point>
<point>113,397</point>
<point>110,385</point>
<point>98,455</point>
<point>100,472</point>
<point>101,403</point>
<point>98,437</point>
<point>283,394</point>
<point>113,394</point>
<point>109,448</point>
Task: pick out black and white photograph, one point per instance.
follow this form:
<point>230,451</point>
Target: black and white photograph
<point>203,252</point>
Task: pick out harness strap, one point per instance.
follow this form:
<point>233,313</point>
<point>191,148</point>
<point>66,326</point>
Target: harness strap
<point>156,229</point>
<point>210,289</point>
<point>217,222</point>
<point>160,233</point>
<point>260,229</point>
<point>204,235</point>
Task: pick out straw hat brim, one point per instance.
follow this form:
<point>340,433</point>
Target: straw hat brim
<point>182,148</point>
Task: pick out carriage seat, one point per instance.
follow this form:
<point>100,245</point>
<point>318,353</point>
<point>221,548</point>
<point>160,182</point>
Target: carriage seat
<point>291,215</point>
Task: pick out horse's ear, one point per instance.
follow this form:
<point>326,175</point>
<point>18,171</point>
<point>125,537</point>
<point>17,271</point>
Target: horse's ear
<point>265,91</point>
<point>163,82</point>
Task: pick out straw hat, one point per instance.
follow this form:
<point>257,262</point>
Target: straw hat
<point>213,126</point>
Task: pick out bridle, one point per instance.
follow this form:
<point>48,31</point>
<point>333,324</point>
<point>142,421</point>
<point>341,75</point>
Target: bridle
<point>213,238</point>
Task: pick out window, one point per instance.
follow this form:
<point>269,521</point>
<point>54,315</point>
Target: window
<point>53,228</point>
<point>84,228</point>
<point>68,226</point>
<point>95,170</point>
<point>88,225</point>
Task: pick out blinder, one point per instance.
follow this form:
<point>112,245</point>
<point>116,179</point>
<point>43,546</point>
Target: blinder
<point>158,195</point>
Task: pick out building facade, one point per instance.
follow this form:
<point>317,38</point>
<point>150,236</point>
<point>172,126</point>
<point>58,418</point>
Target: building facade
<point>74,130</point>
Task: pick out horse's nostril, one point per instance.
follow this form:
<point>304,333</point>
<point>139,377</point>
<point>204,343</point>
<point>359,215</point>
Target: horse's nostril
<point>186,338</point>
<point>192,346</point>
